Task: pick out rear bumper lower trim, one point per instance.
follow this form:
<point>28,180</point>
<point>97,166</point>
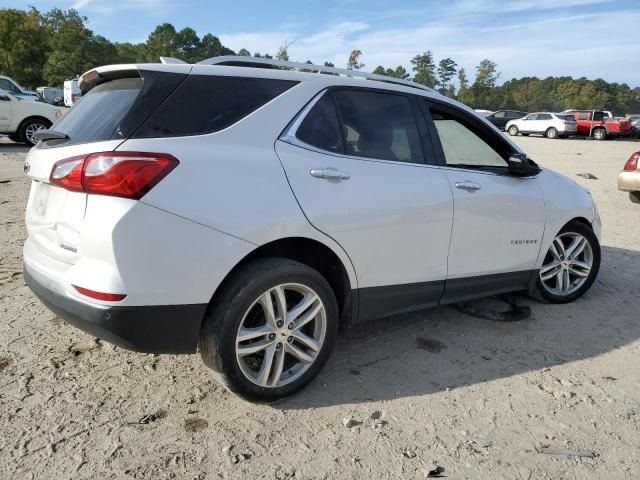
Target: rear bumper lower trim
<point>148,329</point>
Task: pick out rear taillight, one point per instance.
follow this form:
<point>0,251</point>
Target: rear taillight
<point>632,163</point>
<point>118,174</point>
<point>108,297</point>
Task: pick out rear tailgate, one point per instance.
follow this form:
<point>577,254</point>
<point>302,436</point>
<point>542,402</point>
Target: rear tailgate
<point>99,122</point>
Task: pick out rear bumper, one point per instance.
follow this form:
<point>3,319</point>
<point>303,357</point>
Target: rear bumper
<point>148,329</point>
<point>629,181</point>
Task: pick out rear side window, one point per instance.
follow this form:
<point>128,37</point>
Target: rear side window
<point>206,103</point>
<point>544,116</point>
<point>378,125</point>
<point>98,114</point>
<point>320,127</point>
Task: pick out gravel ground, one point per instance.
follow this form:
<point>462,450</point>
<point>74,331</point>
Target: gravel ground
<point>555,395</point>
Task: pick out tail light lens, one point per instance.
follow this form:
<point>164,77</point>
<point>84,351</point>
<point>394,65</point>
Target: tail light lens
<point>118,174</point>
<point>632,163</point>
<point>109,297</point>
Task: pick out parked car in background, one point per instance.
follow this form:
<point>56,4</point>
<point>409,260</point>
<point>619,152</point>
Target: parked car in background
<point>599,124</point>
<point>9,85</point>
<point>502,117</point>
<point>72,92</point>
<point>246,213</point>
<point>629,178</point>
<point>551,125</point>
<point>20,119</point>
<point>50,94</point>
<point>635,125</point>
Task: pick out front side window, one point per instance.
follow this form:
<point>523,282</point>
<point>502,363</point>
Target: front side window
<point>8,86</point>
<point>378,125</point>
<point>499,114</point>
<point>320,127</point>
<point>467,145</point>
<point>533,116</point>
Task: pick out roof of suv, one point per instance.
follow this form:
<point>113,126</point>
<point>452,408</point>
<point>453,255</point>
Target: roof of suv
<point>254,67</point>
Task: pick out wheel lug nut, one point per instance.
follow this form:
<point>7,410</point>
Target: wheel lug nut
<point>289,339</point>
<point>278,346</point>
<point>279,323</point>
<point>290,326</point>
<point>272,336</point>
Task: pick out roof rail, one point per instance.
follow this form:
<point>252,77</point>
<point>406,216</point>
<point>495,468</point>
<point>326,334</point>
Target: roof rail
<point>251,61</point>
<point>171,60</point>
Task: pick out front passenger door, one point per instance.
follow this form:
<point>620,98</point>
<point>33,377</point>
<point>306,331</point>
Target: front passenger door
<point>498,218</point>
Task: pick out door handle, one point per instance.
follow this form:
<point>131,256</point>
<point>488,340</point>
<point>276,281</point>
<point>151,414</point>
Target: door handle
<point>468,186</point>
<point>329,174</point>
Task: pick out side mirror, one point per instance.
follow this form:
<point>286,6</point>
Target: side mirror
<point>522,166</point>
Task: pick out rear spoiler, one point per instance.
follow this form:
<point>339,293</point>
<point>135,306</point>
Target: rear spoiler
<point>96,76</point>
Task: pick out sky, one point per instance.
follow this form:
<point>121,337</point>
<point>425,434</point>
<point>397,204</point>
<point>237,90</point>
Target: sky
<point>590,38</point>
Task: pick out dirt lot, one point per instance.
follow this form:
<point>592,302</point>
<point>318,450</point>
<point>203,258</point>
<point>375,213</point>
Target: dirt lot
<point>553,396</point>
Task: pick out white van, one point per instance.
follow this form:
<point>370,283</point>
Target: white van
<point>72,92</point>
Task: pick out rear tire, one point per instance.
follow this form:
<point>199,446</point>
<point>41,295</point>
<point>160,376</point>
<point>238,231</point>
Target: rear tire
<point>240,320</point>
<point>599,134</point>
<point>634,197</point>
<point>513,130</point>
<point>551,133</point>
<point>567,272</point>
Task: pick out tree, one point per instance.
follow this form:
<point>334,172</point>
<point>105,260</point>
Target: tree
<point>464,94</point>
<point>446,71</point>
<point>210,46</point>
<point>424,69</point>
<point>162,42</point>
<point>354,60</point>
<point>482,88</point>
<point>70,44</point>
<point>244,52</point>
<point>329,64</point>
<point>23,45</point>
<point>283,51</point>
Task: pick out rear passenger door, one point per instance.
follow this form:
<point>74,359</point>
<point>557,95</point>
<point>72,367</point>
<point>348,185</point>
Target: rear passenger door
<point>355,159</point>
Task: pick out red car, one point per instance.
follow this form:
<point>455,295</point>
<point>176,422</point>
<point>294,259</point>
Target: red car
<point>599,125</point>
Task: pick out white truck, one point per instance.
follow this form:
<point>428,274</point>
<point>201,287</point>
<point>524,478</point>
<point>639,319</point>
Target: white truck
<point>72,92</point>
<point>21,119</point>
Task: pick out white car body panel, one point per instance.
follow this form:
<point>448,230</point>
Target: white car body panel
<point>393,218</point>
<point>490,223</point>
<point>16,109</point>
<point>240,188</point>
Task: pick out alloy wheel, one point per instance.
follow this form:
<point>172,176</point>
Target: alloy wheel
<point>280,335</point>
<point>567,264</point>
<point>31,130</point>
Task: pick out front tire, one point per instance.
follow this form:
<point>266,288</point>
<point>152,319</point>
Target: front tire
<point>28,129</point>
<point>271,329</point>
<point>571,264</point>
<point>513,130</point>
<point>634,197</point>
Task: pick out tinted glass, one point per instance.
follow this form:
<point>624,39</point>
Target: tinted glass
<point>583,116</point>
<point>320,127</point>
<point>207,103</point>
<point>378,125</point>
<point>97,115</point>
<point>516,114</point>
<point>544,116</point>
<point>568,118</point>
<point>500,114</point>
<point>8,86</point>
<point>464,144</point>
<point>533,116</point>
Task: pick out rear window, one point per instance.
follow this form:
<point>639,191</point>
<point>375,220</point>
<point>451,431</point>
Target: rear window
<point>568,118</point>
<point>205,104</point>
<point>97,115</point>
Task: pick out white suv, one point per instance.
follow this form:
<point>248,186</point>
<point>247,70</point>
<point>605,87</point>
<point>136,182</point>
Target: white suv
<point>20,119</point>
<point>551,125</point>
<point>249,212</point>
